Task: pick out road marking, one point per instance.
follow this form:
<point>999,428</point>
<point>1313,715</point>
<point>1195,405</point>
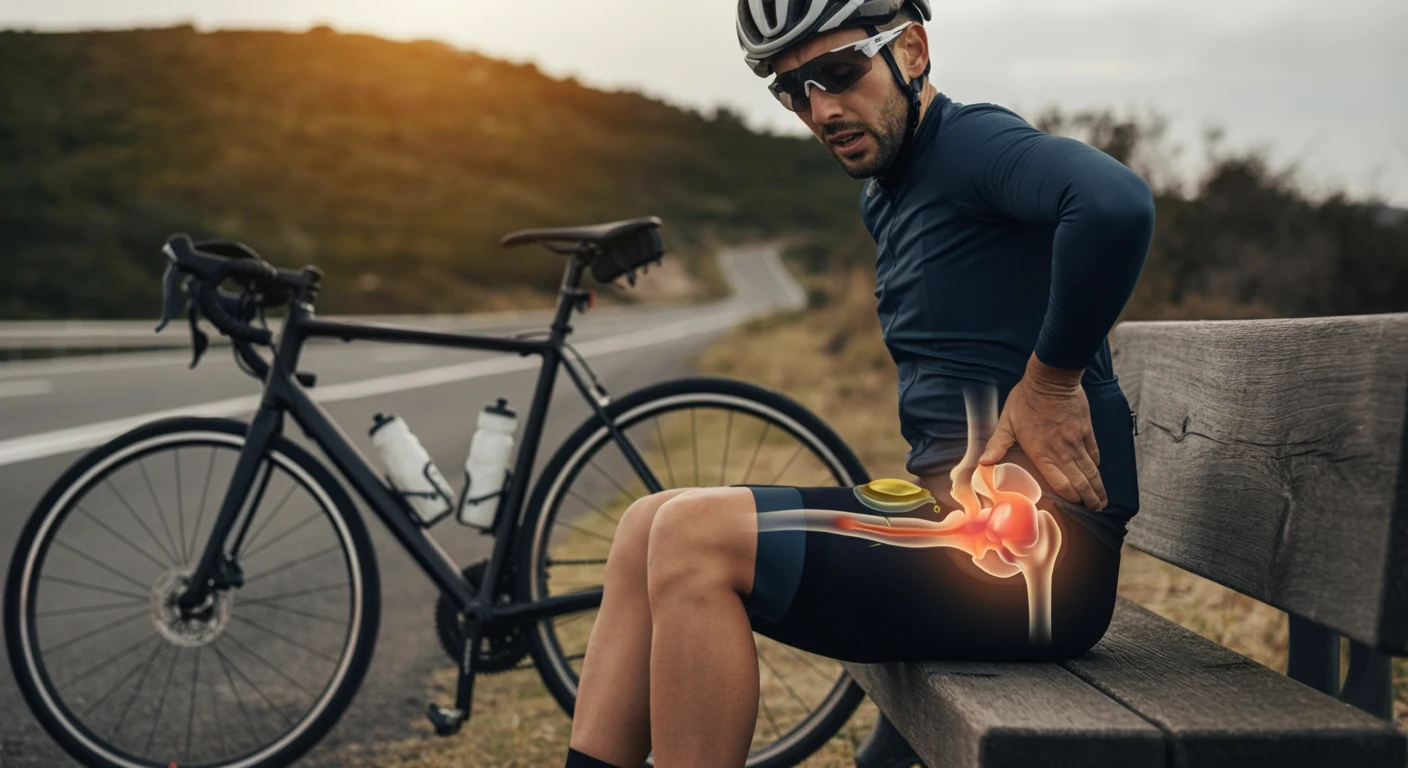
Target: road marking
<point>38,446</point>
<point>400,355</point>
<point>25,387</point>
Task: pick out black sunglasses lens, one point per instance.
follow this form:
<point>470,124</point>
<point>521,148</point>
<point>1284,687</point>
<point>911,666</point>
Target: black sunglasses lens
<point>840,70</point>
<point>834,72</point>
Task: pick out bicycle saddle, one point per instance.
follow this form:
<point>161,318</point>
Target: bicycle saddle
<point>622,246</point>
<point>590,233</point>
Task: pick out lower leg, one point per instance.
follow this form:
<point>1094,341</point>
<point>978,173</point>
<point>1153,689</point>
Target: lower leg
<point>703,660</point>
<point>611,721</point>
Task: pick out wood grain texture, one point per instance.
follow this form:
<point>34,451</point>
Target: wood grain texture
<point>1271,460</point>
<point>965,715</point>
<point>1218,708</point>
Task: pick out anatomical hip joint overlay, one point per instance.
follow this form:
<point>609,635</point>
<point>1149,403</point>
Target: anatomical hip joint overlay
<point>997,522</point>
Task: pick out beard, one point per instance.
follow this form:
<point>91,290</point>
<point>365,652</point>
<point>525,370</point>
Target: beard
<point>888,132</point>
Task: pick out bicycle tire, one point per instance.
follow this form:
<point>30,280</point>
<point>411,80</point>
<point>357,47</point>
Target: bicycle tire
<point>74,737</point>
<point>555,671</point>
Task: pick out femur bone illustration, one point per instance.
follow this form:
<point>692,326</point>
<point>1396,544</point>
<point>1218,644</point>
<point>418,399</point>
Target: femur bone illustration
<point>1006,537</point>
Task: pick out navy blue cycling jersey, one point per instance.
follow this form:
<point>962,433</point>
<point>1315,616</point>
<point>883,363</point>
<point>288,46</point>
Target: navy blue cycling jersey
<point>994,240</point>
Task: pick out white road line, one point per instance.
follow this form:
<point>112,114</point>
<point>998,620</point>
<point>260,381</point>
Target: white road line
<point>25,387</point>
<point>55,442</point>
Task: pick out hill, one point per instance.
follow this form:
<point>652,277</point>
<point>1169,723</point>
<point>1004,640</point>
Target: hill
<point>393,166</point>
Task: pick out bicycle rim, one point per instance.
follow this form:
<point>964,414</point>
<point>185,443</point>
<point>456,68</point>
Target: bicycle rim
<point>224,676</point>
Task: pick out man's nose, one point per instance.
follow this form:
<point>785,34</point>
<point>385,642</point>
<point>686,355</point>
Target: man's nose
<point>826,107</point>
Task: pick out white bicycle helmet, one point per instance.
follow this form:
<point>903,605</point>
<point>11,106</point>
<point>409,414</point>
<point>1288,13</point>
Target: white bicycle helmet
<point>766,27</point>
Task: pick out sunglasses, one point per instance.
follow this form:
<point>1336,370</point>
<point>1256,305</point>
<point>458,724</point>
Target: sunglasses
<point>833,71</point>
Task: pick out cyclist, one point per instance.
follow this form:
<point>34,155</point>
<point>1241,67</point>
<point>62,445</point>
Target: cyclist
<point>1004,257</point>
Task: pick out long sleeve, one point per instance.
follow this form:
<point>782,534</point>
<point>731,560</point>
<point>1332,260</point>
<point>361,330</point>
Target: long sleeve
<point>1103,212</point>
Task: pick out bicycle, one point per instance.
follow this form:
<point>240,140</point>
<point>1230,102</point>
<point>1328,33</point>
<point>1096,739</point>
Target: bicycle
<point>181,587</point>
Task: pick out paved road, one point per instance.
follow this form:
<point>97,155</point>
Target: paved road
<point>51,411</point>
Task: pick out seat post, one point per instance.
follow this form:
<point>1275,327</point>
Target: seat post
<point>567,293</point>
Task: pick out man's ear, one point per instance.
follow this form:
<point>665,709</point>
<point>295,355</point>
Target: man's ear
<point>913,51</point>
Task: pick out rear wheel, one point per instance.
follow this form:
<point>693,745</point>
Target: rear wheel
<point>116,673</point>
<point>691,432</point>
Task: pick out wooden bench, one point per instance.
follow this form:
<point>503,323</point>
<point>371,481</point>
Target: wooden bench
<point>1273,459</point>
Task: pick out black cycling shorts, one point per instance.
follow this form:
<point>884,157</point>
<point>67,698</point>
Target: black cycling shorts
<point>846,598</point>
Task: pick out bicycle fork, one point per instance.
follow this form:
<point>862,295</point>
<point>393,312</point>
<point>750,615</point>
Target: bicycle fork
<point>217,568</point>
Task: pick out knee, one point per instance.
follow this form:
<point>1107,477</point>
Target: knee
<point>627,558</point>
<point>692,549</point>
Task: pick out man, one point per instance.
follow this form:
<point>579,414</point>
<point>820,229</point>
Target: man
<point>1004,257</point>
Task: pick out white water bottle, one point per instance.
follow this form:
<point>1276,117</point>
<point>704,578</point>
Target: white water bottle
<point>413,474</point>
<point>487,464</point>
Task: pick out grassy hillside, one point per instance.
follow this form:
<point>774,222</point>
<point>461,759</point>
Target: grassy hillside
<point>394,166</point>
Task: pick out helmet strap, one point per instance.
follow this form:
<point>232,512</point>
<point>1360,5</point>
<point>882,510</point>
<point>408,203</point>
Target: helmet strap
<point>911,88</point>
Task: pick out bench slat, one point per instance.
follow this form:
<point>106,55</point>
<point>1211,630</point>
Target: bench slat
<point>1218,708</point>
<point>1273,459</point>
<point>965,715</point>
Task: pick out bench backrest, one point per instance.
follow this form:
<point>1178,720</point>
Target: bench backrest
<point>1273,459</point>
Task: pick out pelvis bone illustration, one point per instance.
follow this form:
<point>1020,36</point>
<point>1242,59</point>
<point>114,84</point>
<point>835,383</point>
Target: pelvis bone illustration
<point>998,522</point>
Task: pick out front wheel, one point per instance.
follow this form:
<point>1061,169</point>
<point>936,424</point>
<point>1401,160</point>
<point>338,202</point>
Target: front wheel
<point>690,432</point>
<point>118,675</point>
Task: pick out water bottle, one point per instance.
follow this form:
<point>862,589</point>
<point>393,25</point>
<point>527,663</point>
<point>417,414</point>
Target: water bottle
<point>413,474</point>
<point>487,465</point>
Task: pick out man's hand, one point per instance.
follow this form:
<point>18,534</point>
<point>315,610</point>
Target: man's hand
<point>1048,416</point>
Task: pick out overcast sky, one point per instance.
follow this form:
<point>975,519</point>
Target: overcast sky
<point>1320,82</point>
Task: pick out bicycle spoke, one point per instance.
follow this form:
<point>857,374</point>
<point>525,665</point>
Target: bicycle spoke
<point>225,665</point>
<point>288,565</point>
<point>767,711</point>
<point>804,705</point>
<point>121,538</point>
<point>766,426</point>
<point>788,465</point>
<point>161,702</point>
<point>86,609</point>
<point>808,662</point>
<point>191,715</point>
<point>126,710</point>
<point>93,587</point>
<point>268,664</point>
<point>728,433</point>
<point>612,480</point>
<point>666,451</point>
<point>295,611</point>
<point>694,440</point>
<point>174,559</point>
<point>200,513</point>
<point>180,505</point>
<point>122,682</point>
<point>254,538</point>
<point>294,643</point>
<point>575,617</point>
<point>317,514</point>
<point>101,564</point>
<point>595,508</point>
<point>142,465</point>
<point>98,631</point>
<point>298,593</point>
<point>583,531</point>
<point>89,672</point>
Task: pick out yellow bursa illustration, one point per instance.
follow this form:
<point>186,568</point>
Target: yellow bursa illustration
<point>892,496</point>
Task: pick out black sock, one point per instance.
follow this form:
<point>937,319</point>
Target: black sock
<point>576,759</point>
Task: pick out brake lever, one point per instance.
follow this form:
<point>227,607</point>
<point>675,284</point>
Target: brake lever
<point>173,299</point>
<point>199,340</point>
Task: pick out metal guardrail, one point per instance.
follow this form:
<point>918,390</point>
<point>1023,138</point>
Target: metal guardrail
<point>115,335</point>
<point>74,336</point>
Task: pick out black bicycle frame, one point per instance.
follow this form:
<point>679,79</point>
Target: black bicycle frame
<point>284,394</point>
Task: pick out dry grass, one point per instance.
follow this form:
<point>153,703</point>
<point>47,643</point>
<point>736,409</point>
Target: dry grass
<point>833,360</point>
